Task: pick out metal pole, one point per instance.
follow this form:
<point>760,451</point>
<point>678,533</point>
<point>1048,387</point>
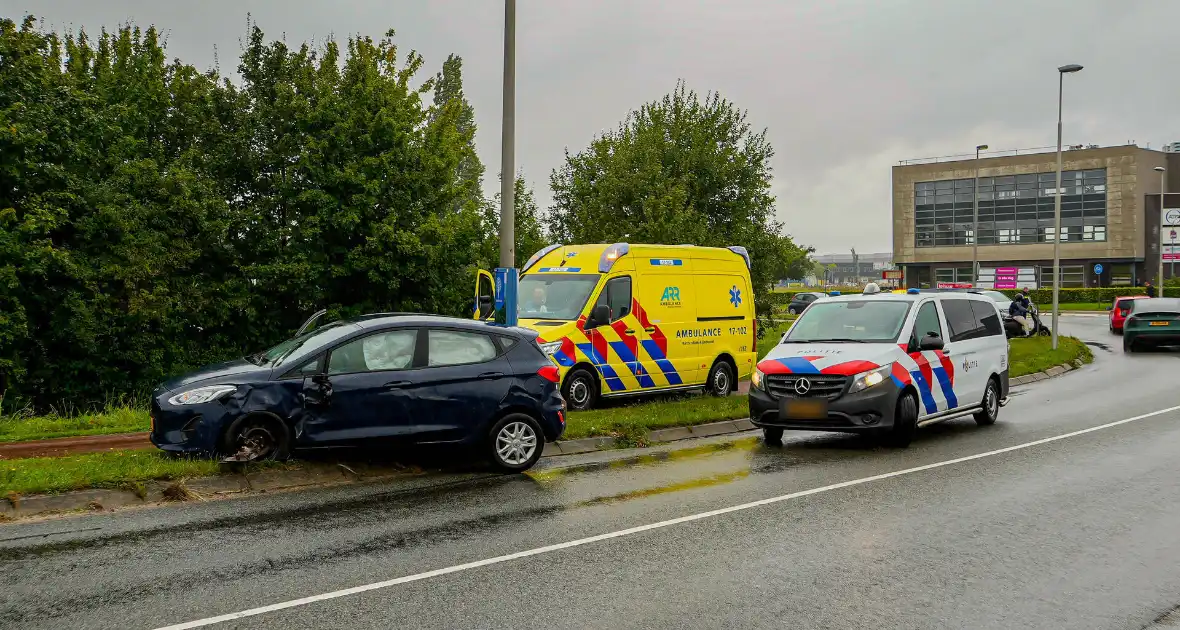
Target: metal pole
<point>508,142</point>
<point>1159,283</point>
<point>975,224</point>
<point>1057,213</point>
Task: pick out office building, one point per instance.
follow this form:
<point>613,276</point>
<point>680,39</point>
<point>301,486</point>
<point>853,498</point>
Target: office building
<point>1110,217</point>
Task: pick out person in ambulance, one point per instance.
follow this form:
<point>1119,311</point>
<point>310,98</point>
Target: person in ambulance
<point>885,364</point>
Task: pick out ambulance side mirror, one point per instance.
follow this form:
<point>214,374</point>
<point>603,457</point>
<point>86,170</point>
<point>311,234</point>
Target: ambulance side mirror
<point>599,316</point>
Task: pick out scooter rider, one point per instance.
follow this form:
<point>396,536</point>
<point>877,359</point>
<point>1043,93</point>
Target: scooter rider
<point>1019,311</point>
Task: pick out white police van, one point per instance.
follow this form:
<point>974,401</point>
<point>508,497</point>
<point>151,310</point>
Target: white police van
<point>884,363</point>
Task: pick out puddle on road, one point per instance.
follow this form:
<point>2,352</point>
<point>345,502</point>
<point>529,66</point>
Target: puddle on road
<point>691,484</point>
<point>650,459</point>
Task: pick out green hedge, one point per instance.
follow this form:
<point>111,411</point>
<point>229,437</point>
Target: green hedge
<point>1103,295</point>
<point>1039,296</point>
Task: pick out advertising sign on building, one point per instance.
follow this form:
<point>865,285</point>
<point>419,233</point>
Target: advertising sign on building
<point>1171,252</point>
<point>1007,278</point>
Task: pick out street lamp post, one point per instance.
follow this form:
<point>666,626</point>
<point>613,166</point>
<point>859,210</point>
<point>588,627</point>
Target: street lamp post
<point>1061,72</point>
<point>1159,279</point>
<point>508,142</point>
<point>975,220</point>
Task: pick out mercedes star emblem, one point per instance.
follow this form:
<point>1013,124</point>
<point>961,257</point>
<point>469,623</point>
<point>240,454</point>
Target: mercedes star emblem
<point>802,386</point>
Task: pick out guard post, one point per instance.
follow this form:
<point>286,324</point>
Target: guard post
<point>507,279</point>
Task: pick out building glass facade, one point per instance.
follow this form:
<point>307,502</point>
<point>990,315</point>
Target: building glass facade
<point>1013,209</point>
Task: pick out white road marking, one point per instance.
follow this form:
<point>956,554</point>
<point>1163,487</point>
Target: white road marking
<point>303,601</point>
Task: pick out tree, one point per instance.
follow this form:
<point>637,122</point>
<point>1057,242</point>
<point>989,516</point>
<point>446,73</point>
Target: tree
<point>449,99</point>
<point>678,170</point>
<point>154,217</point>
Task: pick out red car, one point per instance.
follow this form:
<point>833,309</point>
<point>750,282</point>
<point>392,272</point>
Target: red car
<point>1119,310</point>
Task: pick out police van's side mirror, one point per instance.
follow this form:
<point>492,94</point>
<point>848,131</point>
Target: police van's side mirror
<point>599,316</point>
<point>931,342</point>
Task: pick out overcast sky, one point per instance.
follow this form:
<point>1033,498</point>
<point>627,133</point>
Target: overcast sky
<point>846,87</point>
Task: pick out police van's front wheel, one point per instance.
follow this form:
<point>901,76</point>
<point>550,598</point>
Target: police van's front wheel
<point>580,390</point>
<point>905,422</point>
<point>721,379</point>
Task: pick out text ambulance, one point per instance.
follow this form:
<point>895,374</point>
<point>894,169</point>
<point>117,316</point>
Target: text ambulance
<point>627,319</point>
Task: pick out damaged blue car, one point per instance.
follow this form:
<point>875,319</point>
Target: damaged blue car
<point>398,377</point>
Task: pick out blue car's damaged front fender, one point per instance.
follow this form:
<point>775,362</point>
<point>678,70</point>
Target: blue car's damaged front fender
<point>201,429</point>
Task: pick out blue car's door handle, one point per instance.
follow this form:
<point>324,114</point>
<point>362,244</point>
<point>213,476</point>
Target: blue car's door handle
<point>489,375</point>
<point>396,384</point>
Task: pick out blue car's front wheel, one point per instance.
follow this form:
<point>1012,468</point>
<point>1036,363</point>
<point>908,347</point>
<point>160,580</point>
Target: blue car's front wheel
<point>257,438</point>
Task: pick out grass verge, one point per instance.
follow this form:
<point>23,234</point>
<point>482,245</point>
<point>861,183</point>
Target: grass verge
<point>24,427</point>
<point>630,424</point>
<point>1077,306</point>
<point>114,469</point>
<point>1035,354</point>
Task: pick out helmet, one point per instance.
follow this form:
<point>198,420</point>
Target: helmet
<point>871,288</point>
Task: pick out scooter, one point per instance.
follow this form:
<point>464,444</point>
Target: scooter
<point>1012,328</point>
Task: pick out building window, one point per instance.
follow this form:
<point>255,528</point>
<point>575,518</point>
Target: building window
<point>1072,276</point>
<point>1120,275</point>
<point>1013,209</point>
<point>952,274</point>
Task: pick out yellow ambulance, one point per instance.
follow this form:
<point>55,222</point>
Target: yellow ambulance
<point>627,319</point>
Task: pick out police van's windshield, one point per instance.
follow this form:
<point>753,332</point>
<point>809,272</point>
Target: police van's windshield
<point>554,296</point>
<point>855,321</point>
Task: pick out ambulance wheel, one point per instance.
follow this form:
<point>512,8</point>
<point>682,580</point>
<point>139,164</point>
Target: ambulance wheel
<point>991,404</point>
<point>772,436</point>
<point>720,381</point>
<point>580,390</point>
<point>905,422</point>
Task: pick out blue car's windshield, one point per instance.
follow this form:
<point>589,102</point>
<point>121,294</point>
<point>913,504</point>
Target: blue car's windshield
<point>557,296</point>
<point>871,321</point>
<point>309,340</point>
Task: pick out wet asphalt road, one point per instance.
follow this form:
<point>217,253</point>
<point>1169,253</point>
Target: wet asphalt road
<point>1083,532</point>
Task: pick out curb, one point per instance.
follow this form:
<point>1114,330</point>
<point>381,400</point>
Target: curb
<point>1056,370</point>
<point>199,489</point>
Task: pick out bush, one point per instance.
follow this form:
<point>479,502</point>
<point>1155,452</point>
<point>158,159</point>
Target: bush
<point>1104,295</point>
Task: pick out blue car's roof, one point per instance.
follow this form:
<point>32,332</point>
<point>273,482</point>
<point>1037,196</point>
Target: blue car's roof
<point>375,320</point>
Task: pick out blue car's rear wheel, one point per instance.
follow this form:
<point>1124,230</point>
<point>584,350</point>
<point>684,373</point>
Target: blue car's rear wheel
<point>515,443</point>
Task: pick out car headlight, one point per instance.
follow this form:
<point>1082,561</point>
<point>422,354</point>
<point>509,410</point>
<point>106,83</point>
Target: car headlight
<point>202,395</point>
<point>550,348</point>
<point>756,379</point>
<point>865,380</point>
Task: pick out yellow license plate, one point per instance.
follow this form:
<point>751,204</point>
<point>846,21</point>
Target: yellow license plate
<point>1159,323</point>
<point>795,409</point>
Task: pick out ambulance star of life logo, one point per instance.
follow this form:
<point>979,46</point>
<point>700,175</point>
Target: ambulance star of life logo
<point>735,296</point>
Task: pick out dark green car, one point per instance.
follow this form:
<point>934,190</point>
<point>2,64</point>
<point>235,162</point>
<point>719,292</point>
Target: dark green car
<point>1152,322</point>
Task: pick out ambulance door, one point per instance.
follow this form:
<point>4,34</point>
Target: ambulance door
<point>612,331</point>
<point>485,295</point>
<point>664,309</point>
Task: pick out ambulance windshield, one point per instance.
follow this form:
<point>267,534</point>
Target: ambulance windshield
<point>853,321</point>
<point>556,296</point>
